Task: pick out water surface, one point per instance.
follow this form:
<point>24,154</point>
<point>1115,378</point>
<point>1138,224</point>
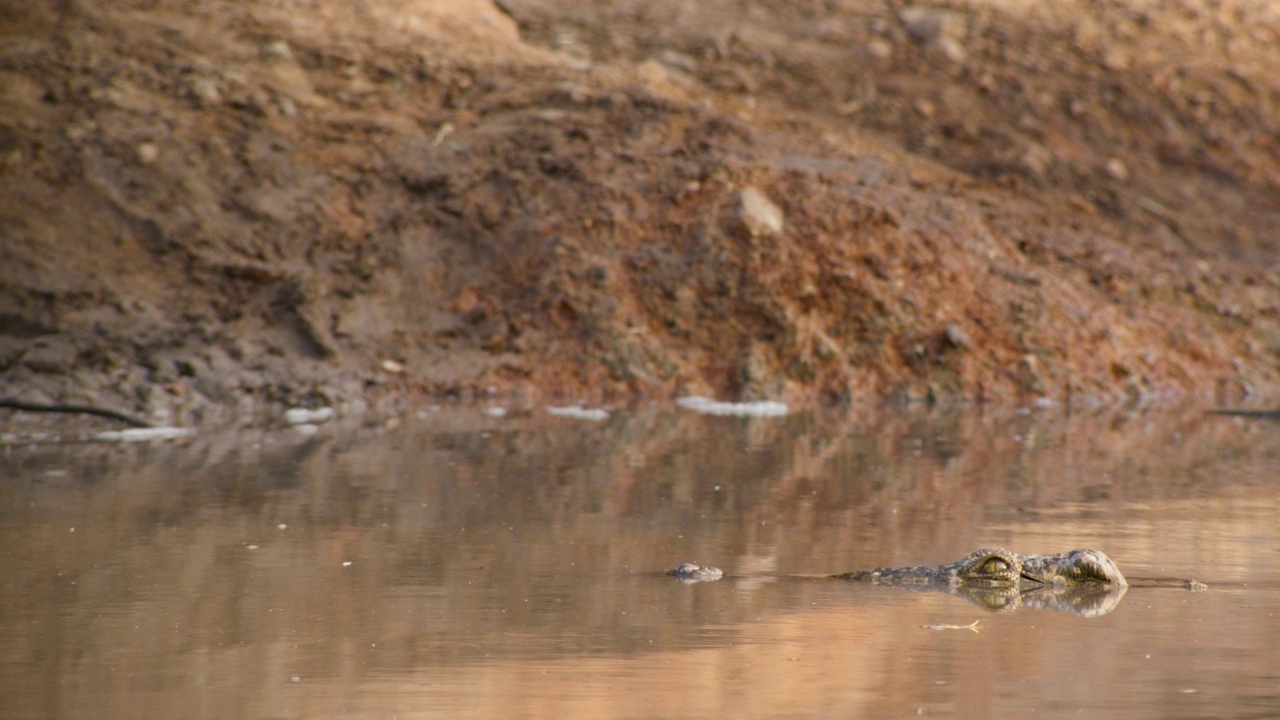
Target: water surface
<point>461,565</point>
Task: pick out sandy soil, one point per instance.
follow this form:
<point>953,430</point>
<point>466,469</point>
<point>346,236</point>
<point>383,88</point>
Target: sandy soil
<point>211,208</point>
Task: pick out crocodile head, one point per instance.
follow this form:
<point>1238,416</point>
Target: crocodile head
<point>999,567</point>
<point>693,572</point>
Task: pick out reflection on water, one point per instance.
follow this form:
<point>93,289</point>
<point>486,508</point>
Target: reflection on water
<point>470,566</point>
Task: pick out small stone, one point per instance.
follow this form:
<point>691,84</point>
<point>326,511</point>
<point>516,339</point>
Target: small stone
<point>652,73</point>
<point>1116,60</point>
<point>277,50</point>
<point>579,413</point>
<point>1037,159</point>
<point>206,91</point>
<point>147,153</point>
<point>956,336</point>
<point>880,49</point>
<point>951,49</point>
<point>1117,169</point>
<point>926,26</point>
<point>392,367</point>
<point>939,31</point>
<point>287,107</point>
<point>77,133</point>
<point>307,416</point>
<point>759,214</point>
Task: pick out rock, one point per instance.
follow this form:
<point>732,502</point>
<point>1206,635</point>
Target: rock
<point>1116,60</point>
<point>206,91</point>
<point>956,336</point>
<point>578,412</point>
<point>277,50</point>
<point>880,49</point>
<point>652,72</point>
<point>951,49</point>
<point>1030,376</point>
<point>286,106</point>
<point>759,214</point>
<point>759,408</point>
<point>1036,159</point>
<point>308,416</point>
<point>142,434</point>
<point>147,153</point>
<point>940,31</point>
<point>925,25</point>
<point>1117,170</point>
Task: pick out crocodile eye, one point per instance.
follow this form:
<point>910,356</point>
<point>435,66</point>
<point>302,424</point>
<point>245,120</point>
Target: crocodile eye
<point>995,566</point>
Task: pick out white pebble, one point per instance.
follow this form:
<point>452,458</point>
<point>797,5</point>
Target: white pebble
<point>761,408</point>
<point>298,416</point>
<point>579,413</point>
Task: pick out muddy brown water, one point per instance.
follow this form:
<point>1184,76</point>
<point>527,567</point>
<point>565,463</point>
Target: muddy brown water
<point>467,566</point>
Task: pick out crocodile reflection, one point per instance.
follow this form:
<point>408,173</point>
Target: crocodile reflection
<point>1083,582</point>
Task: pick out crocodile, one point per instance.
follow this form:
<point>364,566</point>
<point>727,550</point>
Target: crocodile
<point>1083,582</point>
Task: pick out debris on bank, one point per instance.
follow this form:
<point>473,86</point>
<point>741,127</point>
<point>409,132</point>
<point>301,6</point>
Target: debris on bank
<point>308,416</point>
<point>578,412</point>
<point>759,408</point>
<point>142,434</point>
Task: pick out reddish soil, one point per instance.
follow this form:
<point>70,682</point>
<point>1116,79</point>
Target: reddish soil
<point>210,207</point>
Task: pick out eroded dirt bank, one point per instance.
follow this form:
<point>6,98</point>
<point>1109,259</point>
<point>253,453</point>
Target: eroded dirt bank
<point>208,207</point>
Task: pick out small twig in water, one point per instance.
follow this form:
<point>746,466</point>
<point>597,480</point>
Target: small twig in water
<point>944,626</point>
